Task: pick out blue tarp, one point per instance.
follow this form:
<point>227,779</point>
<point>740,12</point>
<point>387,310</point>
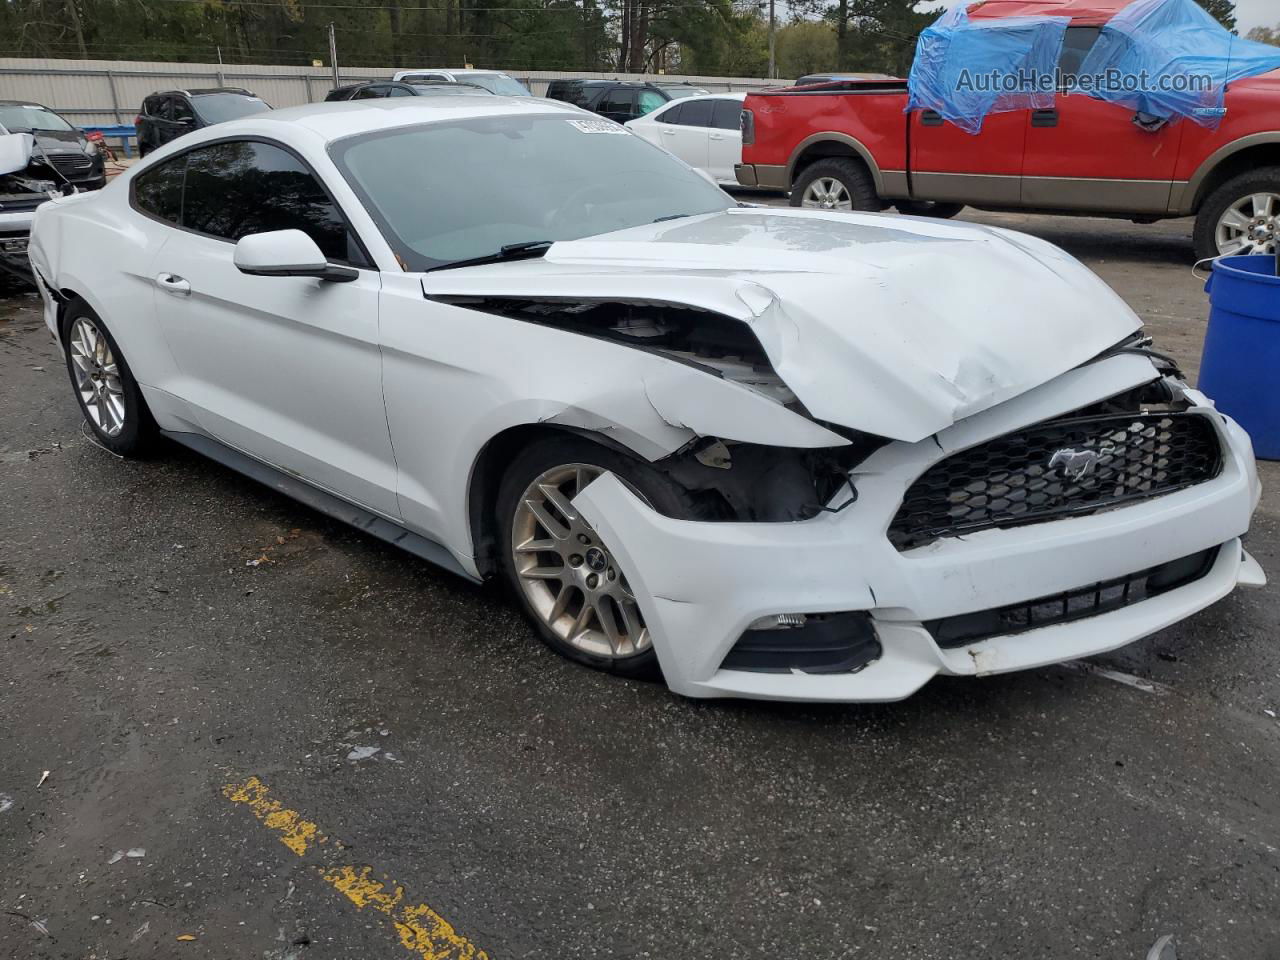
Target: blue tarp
<point>1176,56</point>
<point>966,69</point>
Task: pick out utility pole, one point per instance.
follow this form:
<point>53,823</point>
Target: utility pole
<point>222,80</point>
<point>773,71</point>
<point>333,57</point>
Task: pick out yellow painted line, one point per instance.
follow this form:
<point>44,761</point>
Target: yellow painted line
<point>420,929</point>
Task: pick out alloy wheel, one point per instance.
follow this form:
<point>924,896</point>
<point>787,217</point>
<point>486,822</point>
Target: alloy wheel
<point>1250,225</point>
<point>97,376</point>
<point>568,575</point>
<point>827,193</point>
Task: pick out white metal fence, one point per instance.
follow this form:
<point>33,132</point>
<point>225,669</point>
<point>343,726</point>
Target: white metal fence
<point>111,91</point>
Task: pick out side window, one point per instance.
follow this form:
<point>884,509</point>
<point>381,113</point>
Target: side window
<point>696,113</point>
<point>671,115</point>
<point>726,114</point>
<point>241,187</point>
<point>151,106</point>
<point>399,92</point>
<point>617,100</point>
<point>1075,46</point>
<point>180,110</point>
<point>159,190</point>
<point>369,93</point>
<point>650,100</point>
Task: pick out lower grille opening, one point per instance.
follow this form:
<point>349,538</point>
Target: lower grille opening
<point>827,643</point>
<point>1089,601</point>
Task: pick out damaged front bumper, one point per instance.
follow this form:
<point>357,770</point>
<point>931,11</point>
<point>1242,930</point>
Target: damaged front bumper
<point>702,585</point>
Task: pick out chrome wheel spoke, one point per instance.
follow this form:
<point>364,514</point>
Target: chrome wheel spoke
<point>567,575</point>
<point>97,377</point>
<point>1262,204</point>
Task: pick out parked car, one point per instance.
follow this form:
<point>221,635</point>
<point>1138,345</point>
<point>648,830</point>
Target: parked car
<point>702,131</point>
<point>491,80</point>
<point>855,148</point>
<point>378,89</point>
<point>772,452</point>
<point>174,113</point>
<point>43,153</point>
<point>619,100</point>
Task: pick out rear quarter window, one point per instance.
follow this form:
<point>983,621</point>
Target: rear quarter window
<point>158,191</point>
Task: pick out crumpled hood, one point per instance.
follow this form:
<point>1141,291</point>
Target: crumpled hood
<point>897,326</point>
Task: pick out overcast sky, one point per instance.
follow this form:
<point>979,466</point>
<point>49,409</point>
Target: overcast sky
<point>1249,13</point>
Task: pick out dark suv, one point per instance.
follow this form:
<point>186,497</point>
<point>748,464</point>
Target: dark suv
<point>168,115</point>
<point>619,100</point>
<point>377,89</point>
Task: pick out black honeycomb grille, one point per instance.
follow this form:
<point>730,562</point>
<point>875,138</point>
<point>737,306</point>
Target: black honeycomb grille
<point>1057,469</point>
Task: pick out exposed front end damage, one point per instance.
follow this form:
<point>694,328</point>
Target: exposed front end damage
<point>711,591</point>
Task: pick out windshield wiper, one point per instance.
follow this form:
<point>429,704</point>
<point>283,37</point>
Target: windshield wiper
<point>512,251</point>
<point>676,216</point>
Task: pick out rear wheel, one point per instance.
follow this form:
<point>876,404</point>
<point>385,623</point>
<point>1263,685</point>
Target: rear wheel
<point>108,394</point>
<point>929,208</point>
<point>836,183</point>
<point>1241,217</point>
<point>566,577</point>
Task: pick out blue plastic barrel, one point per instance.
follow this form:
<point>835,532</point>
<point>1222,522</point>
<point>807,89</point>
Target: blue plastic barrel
<point>1240,366</point>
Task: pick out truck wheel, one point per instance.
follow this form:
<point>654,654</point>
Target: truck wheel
<point>929,208</point>
<point>837,183</point>
<point>1242,216</point>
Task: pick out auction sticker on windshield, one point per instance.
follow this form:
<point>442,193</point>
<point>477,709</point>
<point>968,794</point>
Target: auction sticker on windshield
<point>599,126</point>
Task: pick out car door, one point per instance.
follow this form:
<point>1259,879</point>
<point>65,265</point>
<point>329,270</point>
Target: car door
<point>948,164</point>
<point>1087,154</point>
<point>286,369</point>
<point>617,103</point>
<point>182,117</point>
<point>724,147</point>
<point>690,133</point>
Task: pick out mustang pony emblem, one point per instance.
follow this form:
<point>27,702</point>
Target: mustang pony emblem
<point>1073,464</point>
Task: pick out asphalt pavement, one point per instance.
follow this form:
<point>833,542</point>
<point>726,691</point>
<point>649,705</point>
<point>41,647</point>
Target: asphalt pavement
<point>233,728</point>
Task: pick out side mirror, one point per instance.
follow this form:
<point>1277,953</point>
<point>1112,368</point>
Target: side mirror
<point>287,253</point>
<point>15,152</point>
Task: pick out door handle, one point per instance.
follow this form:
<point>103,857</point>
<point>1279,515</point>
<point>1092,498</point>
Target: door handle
<point>717,136</point>
<point>668,133</point>
<point>930,118</point>
<point>1044,118</point>
<point>173,284</point>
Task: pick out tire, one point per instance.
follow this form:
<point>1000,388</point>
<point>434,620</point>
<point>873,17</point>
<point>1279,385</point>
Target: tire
<point>929,208</point>
<point>855,190</point>
<point>1237,191</point>
<point>555,606</point>
<point>104,386</point>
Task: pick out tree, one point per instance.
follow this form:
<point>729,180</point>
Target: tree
<point>806,46</point>
<point>872,36</point>
<point>1224,11</point>
<point>1269,35</point>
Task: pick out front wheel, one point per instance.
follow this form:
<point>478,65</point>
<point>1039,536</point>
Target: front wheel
<point>837,183</point>
<point>1241,217</point>
<point>567,578</point>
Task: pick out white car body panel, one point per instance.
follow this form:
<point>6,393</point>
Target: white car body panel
<point>934,335</point>
<point>711,149</point>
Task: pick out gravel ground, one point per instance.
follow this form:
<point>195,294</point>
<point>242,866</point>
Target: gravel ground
<point>548,812</point>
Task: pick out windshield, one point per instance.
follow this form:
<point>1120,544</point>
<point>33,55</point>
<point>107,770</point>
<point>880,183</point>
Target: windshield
<point>27,117</point>
<point>221,107</point>
<point>449,191</point>
<point>498,83</point>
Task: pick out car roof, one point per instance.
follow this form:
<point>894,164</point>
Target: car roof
<point>335,120</point>
<point>1081,12</point>
<point>204,92</point>
<point>25,103</point>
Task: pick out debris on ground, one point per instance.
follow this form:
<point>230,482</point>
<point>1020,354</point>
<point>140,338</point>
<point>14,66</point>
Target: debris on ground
<point>186,937</point>
<point>43,777</point>
<point>6,802</point>
<point>362,753</point>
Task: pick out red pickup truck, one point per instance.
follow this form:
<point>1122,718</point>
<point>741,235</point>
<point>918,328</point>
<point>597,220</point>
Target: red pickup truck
<point>850,146</point>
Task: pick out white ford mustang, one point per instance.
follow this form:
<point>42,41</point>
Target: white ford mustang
<point>771,453</point>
